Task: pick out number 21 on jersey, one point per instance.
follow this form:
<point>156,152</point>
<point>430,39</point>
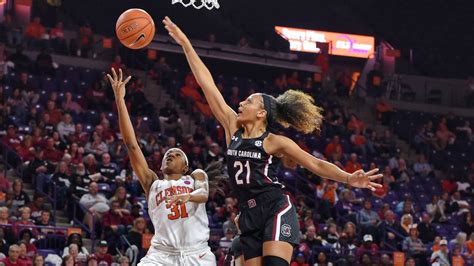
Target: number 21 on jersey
<point>243,168</point>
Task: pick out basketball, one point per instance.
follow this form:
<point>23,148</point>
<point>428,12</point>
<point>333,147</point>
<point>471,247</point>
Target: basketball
<point>135,28</point>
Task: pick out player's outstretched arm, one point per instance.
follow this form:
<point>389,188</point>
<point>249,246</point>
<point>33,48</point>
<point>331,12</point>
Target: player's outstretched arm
<point>223,113</point>
<point>287,147</point>
<point>139,164</point>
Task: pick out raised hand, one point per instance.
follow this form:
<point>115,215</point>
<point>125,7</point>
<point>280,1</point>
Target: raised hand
<point>118,85</point>
<point>174,31</point>
<point>364,180</point>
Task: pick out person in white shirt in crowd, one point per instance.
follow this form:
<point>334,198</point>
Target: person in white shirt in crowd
<point>95,202</point>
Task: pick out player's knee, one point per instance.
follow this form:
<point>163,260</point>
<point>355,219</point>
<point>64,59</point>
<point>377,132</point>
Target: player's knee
<point>274,261</point>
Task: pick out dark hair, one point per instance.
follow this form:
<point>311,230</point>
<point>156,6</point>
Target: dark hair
<point>294,109</point>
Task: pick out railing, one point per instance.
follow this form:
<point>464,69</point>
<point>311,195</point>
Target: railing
<point>79,207</point>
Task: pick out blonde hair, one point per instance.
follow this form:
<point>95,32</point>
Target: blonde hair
<point>294,109</point>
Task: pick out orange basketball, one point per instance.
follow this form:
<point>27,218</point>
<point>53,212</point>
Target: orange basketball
<point>135,28</point>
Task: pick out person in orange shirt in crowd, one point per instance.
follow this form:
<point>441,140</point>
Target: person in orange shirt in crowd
<point>470,245</point>
<point>384,111</point>
<point>352,165</point>
<point>34,32</point>
<point>332,147</point>
<point>194,99</point>
<point>358,140</point>
<point>354,123</point>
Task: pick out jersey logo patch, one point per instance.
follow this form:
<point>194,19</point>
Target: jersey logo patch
<point>200,256</point>
<point>258,143</point>
<point>187,182</point>
<point>235,138</point>
<point>286,230</point>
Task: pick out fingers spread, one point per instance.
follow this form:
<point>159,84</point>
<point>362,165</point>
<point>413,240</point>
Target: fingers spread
<point>127,80</point>
<point>371,172</point>
<point>110,79</point>
<point>114,74</point>
<point>374,177</point>
<point>120,75</point>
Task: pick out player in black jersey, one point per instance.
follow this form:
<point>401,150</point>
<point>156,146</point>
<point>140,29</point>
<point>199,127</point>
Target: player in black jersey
<point>268,220</point>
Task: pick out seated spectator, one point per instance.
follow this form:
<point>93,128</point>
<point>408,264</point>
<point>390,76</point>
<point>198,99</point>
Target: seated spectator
<point>66,127</point>
<point>75,239</point>
<point>226,241</point>
<point>58,41</point>
<point>85,41</point>
<point>13,257</point>
<point>230,223</point>
<point>388,143</point>
<point>459,242</point>
<point>117,64</point>
<point>427,231</point>
<point>402,174</point>
<point>44,63</point>
<point>343,248</point>
<point>52,154</point>
<point>367,219</point>
<point>463,205</point>
<point>38,260</point>
<point>359,142</point>
<point>322,260</point>
<point>69,105</point>
<point>352,164</point>
<point>135,234</point>
<point>26,149</point>
<point>79,136</point>
<point>12,140</point>
<point>26,238</point>
<point>21,61</point>
<point>311,239</point>
<point>458,255</point>
<point>436,210</point>
<point>384,111</point>
<point>422,167</point>
<point>4,182</point>
<point>368,247</point>
<point>406,222</point>
<point>34,32</point>
<point>441,257</point>
<point>300,260</point>
<point>96,97</point>
<point>334,147</point>
<point>53,112</point>
<point>20,198</point>
<point>390,231</point>
<point>354,123</point>
<point>13,30</point>
<point>443,135</point>
<point>414,247</point>
<point>95,203</point>
<point>96,146</point>
<point>107,170</point>
<point>91,166</point>
<point>37,206</point>
<point>102,254</point>
<point>24,222</point>
<point>331,235</point>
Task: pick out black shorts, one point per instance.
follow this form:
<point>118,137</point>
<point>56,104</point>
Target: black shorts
<point>269,217</point>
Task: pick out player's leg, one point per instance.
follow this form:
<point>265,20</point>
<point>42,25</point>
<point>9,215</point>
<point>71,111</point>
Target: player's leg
<point>281,233</point>
<point>277,253</point>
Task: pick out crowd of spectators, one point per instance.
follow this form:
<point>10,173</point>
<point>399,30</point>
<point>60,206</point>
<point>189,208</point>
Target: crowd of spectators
<point>68,147</point>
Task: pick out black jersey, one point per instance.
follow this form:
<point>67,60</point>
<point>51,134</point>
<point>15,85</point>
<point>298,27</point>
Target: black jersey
<point>251,170</point>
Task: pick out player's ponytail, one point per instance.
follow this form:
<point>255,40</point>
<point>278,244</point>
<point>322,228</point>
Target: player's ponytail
<point>293,109</point>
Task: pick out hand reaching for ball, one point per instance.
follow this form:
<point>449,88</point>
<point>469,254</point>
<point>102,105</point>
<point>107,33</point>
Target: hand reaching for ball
<point>117,84</point>
<point>175,32</point>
